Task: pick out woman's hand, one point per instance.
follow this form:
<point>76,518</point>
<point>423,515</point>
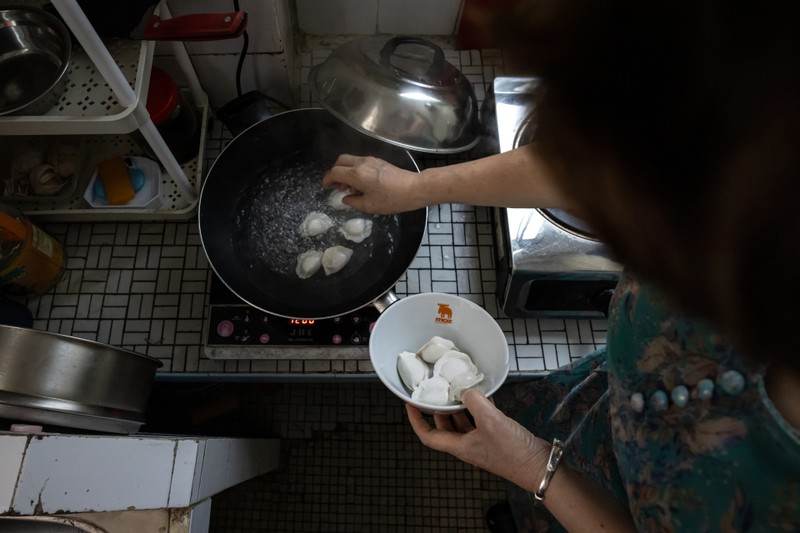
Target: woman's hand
<point>494,442</point>
<point>500,445</point>
<point>380,187</point>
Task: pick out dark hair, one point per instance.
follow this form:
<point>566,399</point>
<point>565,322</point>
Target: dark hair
<point>676,126</point>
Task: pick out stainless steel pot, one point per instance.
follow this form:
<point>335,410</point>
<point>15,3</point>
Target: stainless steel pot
<point>35,49</point>
<point>66,381</point>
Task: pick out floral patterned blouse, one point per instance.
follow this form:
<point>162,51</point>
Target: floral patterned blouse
<point>670,418</point>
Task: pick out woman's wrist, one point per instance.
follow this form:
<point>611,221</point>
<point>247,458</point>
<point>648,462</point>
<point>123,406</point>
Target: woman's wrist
<point>530,473</point>
<point>435,186</point>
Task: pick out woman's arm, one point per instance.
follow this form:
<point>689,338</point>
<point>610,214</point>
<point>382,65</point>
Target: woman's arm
<point>500,445</point>
<point>518,178</point>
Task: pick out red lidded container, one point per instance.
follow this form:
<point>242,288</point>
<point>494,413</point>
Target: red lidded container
<point>176,118</point>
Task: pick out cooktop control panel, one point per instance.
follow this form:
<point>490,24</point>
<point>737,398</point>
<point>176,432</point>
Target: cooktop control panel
<point>244,325</point>
<point>236,330</point>
<point>244,332</point>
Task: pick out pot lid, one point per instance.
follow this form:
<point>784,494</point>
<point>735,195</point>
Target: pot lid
<point>400,90</point>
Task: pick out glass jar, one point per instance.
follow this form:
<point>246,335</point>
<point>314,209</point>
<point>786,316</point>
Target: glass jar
<point>31,260</point>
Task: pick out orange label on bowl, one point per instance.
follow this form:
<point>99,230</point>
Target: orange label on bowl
<point>445,314</point>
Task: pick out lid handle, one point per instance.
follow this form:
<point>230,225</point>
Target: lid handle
<point>391,45</point>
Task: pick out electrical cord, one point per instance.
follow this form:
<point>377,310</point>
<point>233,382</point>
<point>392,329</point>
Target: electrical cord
<point>240,64</point>
<point>242,54</point>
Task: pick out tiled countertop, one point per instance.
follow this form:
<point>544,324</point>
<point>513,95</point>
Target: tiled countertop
<point>144,286</point>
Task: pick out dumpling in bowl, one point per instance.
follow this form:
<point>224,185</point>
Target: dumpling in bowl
<point>335,258</point>
<point>316,223</point>
<point>412,370</point>
<point>459,371</point>
<point>453,364</point>
<point>435,348</point>
<point>356,229</point>
<point>435,390</point>
<point>308,263</point>
<point>335,199</point>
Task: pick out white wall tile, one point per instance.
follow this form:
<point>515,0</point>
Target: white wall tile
<point>287,20</point>
<point>265,31</point>
<point>418,17</point>
<point>326,17</point>
<point>186,472</point>
<point>265,72</point>
<point>270,51</point>
<point>12,451</point>
<point>72,473</point>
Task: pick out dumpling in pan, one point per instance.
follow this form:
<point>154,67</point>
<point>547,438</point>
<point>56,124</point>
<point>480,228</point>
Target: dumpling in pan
<point>335,258</point>
<point>316,223</point>
<point>356,229</point>
<point>335,199</point>
<point>308,263</point>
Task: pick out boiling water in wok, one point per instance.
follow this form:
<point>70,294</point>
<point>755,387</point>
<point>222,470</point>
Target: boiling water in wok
<point>269,214</point>
<point>260,189</point>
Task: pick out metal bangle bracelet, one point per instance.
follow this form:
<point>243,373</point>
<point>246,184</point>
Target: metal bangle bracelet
<point>556,450</point>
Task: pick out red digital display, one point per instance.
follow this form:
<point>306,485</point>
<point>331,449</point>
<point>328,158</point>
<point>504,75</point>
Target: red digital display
<point>301,322</point>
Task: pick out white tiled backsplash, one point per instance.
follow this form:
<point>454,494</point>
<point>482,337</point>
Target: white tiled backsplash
<point>270,50</point>
<point>369,17</point>
<point>276,28</point>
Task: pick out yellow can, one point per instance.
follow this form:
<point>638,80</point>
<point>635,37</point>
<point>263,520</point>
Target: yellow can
<point>31,260</point>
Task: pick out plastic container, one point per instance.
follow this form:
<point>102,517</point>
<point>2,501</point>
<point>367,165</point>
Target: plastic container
<point>147,197</point>
<point>175,117</point>
<point>31,261</point>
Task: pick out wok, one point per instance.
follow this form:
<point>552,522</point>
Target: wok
<point>260,189</point>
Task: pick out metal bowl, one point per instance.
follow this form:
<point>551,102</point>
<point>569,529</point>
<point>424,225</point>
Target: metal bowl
<point>35,49</point>
<point>67,381</point>
<point>400,90</point>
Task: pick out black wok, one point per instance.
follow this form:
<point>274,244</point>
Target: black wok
<point>259,190</point>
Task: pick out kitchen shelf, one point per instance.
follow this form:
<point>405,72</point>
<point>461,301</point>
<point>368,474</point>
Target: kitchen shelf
<point>174,205</point>
<point>104,101</point>
<point>88,105</point>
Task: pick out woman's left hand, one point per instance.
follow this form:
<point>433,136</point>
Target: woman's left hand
<point>494,442</point>
<point>500,445</point>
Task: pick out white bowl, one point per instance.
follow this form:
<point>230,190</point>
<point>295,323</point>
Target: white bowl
<point>411,322</point>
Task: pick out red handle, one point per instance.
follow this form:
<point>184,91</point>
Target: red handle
<point>200,27</point>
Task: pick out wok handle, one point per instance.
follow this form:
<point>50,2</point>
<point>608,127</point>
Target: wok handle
<point>199,27</point>
<point>385,300</point>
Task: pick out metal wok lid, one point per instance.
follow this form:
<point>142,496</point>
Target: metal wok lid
<point>399,90</point>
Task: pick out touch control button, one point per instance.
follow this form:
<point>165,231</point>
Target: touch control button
<point>356,319</point>
<point>225,328</point>
<point>356,339</point>
<point>372,326</point>
<point>337,339</point>
<point>264,338</point>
